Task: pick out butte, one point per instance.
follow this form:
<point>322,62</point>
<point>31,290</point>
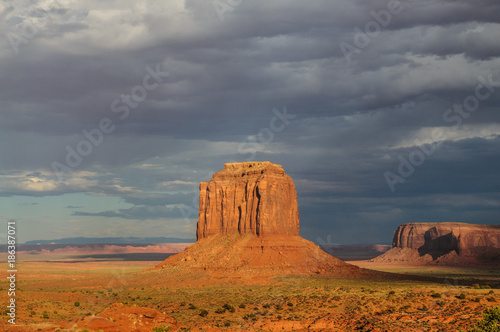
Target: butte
<point>446,243</point>
<point>248,226</point>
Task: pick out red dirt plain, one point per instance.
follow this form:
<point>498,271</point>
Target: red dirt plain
<point>131,296</point>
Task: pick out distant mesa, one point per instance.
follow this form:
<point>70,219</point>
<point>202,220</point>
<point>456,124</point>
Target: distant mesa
<point>444,244</point>
<point>111,240</point>
<point>249,225</point>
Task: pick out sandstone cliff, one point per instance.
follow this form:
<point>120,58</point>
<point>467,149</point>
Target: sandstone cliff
<point>444,243</point>
<point>248,198</point>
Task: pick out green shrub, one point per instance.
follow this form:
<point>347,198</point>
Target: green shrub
<point>436,295</point>
<point>490,322</point>
<point>203,313</point>
<point>191,306</point>
<point>228,307</point>
<point>461,296</point>
<point>162,328</point>
<point>77,304</point>
<point>392,292</point>
<point>242,306</point>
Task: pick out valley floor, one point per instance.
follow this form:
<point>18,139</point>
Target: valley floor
<point>104,295</point>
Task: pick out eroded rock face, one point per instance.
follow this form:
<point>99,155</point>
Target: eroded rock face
<point>256,198</point>
<point>437,239</point>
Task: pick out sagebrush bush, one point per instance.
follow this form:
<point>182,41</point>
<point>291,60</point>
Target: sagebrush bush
<point>490,322</point>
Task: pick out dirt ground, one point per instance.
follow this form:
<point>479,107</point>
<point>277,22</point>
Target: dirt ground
<point>65,295</point>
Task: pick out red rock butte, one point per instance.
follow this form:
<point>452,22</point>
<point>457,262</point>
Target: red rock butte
<point>248,198</point>
<point>249,226</point>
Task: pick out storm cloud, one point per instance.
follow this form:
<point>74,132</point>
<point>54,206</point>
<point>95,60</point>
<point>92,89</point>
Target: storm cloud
<point>382,111</point>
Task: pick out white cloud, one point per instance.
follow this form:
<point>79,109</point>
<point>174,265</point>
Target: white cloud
<point>429,134</point>
<point>43,182</point>
<point>146,166</point>
<point>177,184</point>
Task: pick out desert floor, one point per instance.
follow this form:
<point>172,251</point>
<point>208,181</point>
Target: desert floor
<point>71,293</point>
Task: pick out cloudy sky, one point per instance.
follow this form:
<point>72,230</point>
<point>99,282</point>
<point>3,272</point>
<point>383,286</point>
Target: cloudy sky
<point>383,112</point>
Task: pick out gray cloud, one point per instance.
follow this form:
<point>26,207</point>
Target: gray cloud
<point>352,120</point>
<point>137,213</point>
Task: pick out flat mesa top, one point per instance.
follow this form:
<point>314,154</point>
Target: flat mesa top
<point>247,164</point>
<point>250,168</point>
<point>458,224</point>
<point>250,164</point>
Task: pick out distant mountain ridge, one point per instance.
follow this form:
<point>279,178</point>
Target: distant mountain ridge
<point>112,240</point>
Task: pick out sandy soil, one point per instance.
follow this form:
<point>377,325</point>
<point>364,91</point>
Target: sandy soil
<point>125,296</point>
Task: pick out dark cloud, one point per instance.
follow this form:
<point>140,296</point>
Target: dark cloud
<point>353,118</point>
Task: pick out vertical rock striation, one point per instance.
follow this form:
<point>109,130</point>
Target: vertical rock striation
<point>256,198</point>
